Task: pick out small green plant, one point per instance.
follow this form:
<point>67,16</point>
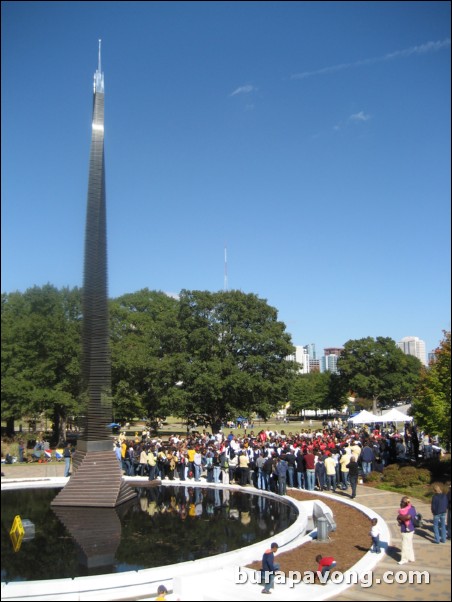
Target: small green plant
<point>423,475</point>
<point>374,477</point>
<point>405,476</point>
<point>391,468</point>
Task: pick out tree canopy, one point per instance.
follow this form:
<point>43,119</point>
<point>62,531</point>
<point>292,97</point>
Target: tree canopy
<point>378,370</point>
<point>41,354</point>
<point>147,354</point>
<point>235,356</point>
<point>205,356</point>
<point>432,401</point>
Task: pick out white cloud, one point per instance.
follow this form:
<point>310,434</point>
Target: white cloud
<point>243,90</point>
<point>173,295</point>
<point>361,116</point>
<point>414,50</point>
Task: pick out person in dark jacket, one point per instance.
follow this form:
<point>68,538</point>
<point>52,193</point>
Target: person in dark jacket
<point>281,472</point>
<point>367,457</point>
<point>269,566</point>
<point>439,511</point>
<point>320,473</point>
<point>353,473</point>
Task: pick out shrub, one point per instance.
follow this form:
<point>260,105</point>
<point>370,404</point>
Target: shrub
<point>423,475</point>
<point>407,476</point>
<point>374,477</point>
<point>408,470</point>
<point>401,480</point>
<point>391,468</point>
<point>389,473</point>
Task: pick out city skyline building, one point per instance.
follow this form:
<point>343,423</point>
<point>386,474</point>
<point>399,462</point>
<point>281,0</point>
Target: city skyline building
<point>314,365</point>
<point>328,363</point>
<point>310,349</point>
<point>301,356</point>
<point>414,346</point>
<point>332,351</point>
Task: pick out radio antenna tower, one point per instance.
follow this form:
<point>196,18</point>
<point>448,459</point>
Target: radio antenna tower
<point>225,285</point>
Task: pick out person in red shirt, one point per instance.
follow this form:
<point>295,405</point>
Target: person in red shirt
<point>309,461</point>
<point>326,564</point>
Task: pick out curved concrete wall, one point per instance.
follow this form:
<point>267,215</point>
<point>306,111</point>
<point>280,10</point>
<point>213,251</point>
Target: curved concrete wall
<point>136,584</point>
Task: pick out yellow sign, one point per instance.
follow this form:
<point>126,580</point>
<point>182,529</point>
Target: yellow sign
<point>17,533</point>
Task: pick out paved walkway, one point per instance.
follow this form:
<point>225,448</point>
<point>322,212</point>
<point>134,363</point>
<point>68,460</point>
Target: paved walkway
<point>430,557</point>
<point>435,559</point>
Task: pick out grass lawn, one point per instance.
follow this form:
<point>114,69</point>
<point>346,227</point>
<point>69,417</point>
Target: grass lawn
<point>177,426</point>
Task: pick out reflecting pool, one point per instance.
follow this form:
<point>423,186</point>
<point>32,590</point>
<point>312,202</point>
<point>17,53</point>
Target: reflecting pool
<point>164,525</point>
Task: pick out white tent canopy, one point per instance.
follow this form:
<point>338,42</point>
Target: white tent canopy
<point>394,415</point>
<point>364,417</point>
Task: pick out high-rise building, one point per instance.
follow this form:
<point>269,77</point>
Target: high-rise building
<point>328,362</point>
<point>332,351</point>
<point>413,346</point>
<point>314,365</point>
<point>431,357</point>
<point>310,350</point>
<point>301,357</point>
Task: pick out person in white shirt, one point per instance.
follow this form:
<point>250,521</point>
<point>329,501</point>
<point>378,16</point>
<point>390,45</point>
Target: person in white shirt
<point>375,534</point>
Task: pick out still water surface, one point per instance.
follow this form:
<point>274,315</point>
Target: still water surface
<point>164,525</point>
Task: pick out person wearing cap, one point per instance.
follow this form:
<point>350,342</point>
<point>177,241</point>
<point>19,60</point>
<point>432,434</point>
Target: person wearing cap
<point>269,566</point>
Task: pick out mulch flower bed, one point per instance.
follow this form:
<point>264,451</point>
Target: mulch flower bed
<point>347,544</point>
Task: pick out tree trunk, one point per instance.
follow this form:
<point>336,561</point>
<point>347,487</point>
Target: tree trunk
<point>374,405</point>
<point>59,427</point>
<point>10,427</point>
<point>215,423</point>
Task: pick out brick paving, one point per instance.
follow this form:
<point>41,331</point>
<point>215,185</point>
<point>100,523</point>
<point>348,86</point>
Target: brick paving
<point>436,559</point>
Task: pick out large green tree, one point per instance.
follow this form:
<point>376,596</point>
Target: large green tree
<point>41,355</point>
<point>147,358</point>
<point>309,391</point>
<point>432,401</point>
<point>376,369</point>
<point>236,352</point>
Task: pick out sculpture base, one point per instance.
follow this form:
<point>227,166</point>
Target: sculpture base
<point>96,482</point>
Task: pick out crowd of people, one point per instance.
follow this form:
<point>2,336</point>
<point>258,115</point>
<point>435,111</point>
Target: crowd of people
<point>332,458</point>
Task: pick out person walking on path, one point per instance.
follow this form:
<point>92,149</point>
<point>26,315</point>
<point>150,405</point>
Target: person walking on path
<point>353,473</point>
<point>269,566</point>
<point>439,510</point>
<point>405,518</point>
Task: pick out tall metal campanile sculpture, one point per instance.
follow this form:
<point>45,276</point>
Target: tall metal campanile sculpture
<point>97,476</point>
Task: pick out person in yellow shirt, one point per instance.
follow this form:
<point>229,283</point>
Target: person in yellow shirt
<point>344,461</point>
<point>191,459</point>
<point>161,592</point>
<point>123,454</point>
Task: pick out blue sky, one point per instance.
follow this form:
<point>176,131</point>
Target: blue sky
<point>310,138</point>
